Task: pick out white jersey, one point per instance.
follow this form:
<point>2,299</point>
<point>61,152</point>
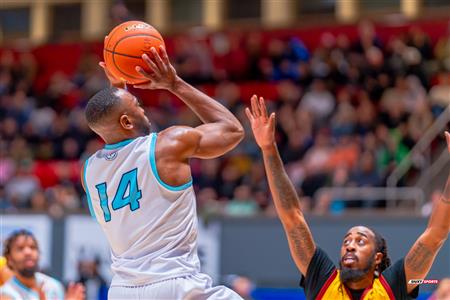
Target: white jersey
<point>14,289</point>
<point>151,226</point>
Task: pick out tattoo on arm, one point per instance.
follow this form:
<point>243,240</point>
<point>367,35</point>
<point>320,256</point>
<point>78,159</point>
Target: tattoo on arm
<point>302,242</point>
<point>420,258</point>
<point>283,187</point>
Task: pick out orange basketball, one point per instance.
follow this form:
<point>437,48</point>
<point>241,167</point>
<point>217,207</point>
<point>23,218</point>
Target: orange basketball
<point>124,47</point>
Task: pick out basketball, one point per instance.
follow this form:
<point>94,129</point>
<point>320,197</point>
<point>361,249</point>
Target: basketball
<point>124,46</point>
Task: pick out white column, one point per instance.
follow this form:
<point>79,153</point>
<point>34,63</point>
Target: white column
<point>157,13</point>
<point>411,8</point>
<point>278,13</point>
<point>39,23</point>
<point>347,11</point>
<point>94,19</point>
<point>213,13</point>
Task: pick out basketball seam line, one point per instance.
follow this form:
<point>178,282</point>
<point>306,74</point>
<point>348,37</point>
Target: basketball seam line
<point>123,54</point>
<point>113,52</point>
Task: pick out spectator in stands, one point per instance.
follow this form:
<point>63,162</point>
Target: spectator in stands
<point>89,276</point>
<point>318,101</point>
<point>242,203</point>
<point>22,254</point>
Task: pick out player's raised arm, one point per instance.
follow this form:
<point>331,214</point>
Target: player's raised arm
<point>221,131</point>
<point>420,258</point>
<point>286,200</point>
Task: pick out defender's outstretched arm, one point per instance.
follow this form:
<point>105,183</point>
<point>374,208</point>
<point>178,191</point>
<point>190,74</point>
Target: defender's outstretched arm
<point>301,242</point>
<point>420,258</point>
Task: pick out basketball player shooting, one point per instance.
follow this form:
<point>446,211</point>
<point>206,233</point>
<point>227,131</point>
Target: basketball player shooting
<point>139,186</point>
<point>364,270</point>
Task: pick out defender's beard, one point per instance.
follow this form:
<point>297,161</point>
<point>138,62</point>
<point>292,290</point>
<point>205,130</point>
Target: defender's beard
<point>354,275</point>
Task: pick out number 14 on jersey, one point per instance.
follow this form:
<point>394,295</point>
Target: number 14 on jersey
<point>128,183</point>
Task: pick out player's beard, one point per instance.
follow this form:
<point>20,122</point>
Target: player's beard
<point>28,272</point>
<point>355,275</point>
<point>144,128</point>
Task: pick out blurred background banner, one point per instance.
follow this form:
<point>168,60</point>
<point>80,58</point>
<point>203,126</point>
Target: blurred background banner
<point>84,242</point>
<point>209,239</point>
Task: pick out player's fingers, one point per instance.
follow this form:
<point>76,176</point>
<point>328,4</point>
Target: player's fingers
<point>262,107</point>
<point>447,136</point>
<point>249,114</point>
<point>102,64</point>
<point>150,63</point>
<point>164,55</point>
<point>162,67</point>
<point>255,109</point>
<point>142,86</point>
<point>272,122</point>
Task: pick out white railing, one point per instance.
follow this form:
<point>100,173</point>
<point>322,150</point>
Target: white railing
<point>417,152</point>
<point>440,163</point>
<point>413,194</point>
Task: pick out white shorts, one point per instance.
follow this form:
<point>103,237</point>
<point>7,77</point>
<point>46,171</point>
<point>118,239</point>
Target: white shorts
<point>192,287</point>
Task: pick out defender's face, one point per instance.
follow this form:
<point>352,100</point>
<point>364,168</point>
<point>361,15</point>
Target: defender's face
<point>357,250</point>
<point>132,107</point>
<point>24,256</point>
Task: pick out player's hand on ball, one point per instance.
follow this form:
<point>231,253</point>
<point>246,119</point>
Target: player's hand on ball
<point>263,126</point>
<point>163,74</point>
<point>113,80</point>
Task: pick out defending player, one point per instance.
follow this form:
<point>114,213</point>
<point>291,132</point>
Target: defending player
<point>364,269</point>
<point>139,186</point>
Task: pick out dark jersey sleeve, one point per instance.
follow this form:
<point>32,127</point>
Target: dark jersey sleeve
<point>319,270</point>
<point>396,278</point>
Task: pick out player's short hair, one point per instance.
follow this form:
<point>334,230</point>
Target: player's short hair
<point>13,237</point>
<point>101,104</point>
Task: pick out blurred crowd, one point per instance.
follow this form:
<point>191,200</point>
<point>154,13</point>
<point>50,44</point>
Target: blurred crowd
<point>348,111</point>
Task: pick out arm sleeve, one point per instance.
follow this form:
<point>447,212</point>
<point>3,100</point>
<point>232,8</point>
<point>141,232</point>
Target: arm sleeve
<point>319,270</point>
<point>396,278</point>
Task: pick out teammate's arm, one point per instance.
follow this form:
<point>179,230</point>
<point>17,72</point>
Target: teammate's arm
<point>301,242</point>
<point>220,132</point>
<point>420,258</point>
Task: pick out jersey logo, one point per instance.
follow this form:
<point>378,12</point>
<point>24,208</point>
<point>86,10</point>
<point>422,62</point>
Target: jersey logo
<point>111,156</point>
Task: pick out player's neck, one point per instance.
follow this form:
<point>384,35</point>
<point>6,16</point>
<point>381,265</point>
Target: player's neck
<point>360,284</point>
<point>29,282</point>
<point>114,139</point>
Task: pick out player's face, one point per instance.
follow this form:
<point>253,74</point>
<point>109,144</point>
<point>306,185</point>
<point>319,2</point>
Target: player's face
<point>357,253</point>
<point>24,256</point>
<point>134,109</point>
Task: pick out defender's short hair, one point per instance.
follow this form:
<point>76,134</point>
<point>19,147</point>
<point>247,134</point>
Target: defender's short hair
<point>101,104</point>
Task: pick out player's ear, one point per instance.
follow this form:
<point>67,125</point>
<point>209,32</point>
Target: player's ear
<point>125,122</point>
<point>378,258</point>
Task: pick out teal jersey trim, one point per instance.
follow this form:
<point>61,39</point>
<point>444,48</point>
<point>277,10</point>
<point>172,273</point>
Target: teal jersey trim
<point>88,197</point>
<point>23,287</point>
<point>118,145</point>
<point>155,171</point>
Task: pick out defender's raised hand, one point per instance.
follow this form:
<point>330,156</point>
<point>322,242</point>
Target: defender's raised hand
<point>163,74</point>
<point>263,126</point>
